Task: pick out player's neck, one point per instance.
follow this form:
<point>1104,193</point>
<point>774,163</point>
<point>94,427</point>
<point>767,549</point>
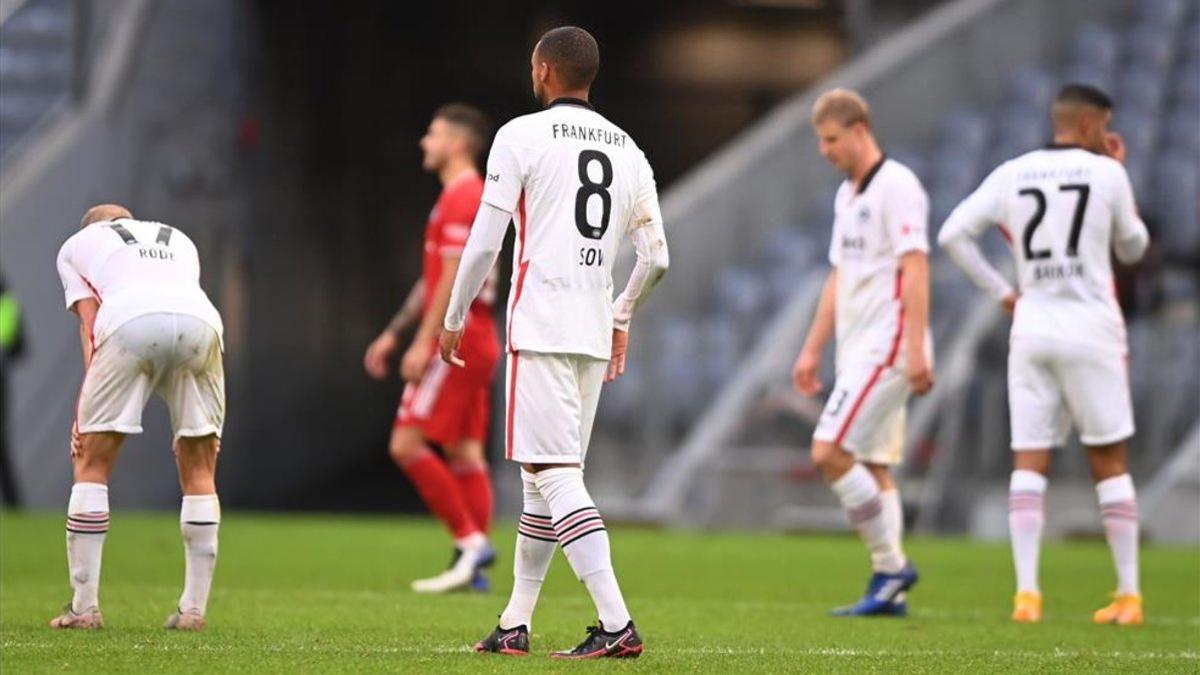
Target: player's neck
<point>1067,138</point>
<point>578,94</point>
<point>455,169</point>
<point>869,161</point>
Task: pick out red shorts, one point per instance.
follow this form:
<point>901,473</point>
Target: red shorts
<point>451,404</point>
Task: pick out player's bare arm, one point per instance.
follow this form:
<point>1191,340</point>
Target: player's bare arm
<point>478,257</point>
<point>416,359</point>
<point>808,363</point>
<point>914,296</point>
<point>87,309</point>
<point>650,244</point>
<point>381,349</point>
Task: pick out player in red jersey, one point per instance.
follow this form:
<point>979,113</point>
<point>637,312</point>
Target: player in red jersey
<point>442,405</point>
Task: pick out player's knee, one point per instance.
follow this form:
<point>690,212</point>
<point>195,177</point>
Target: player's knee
<point>197,451</point>
<point>465,454</point>
<point>825,454</point>
<point>404,446</point>
<point>95,453</point>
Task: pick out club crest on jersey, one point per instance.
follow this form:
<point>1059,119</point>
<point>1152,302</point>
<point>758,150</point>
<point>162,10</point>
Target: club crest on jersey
<point>864,214</point>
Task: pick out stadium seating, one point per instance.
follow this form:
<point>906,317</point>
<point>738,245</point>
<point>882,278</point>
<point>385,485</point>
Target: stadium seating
<point>1151,68</point>
<point>36,66</point>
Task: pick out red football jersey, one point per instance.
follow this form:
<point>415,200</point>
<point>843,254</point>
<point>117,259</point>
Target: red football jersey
<point>446,234</point>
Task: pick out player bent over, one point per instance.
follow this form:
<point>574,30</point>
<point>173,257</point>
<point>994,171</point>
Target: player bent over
<point>146,327</point>
<point>877,299</point>
<point>444,405</point>
<point>1069,206</point>
<point>574,184</point>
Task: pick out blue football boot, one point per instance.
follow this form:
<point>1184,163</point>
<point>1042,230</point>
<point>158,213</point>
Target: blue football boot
<point>887,595</point>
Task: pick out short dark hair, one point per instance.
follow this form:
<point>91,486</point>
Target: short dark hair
<point>573,52</point>
<point>1085,94</point>
<point>473,120</point>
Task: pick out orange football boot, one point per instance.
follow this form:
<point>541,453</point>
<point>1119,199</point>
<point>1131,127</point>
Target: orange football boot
<point>1027,607</point>
<point>1124,610</point>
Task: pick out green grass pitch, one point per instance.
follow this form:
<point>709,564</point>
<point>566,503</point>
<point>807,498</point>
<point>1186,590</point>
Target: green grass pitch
<point>330,594</point>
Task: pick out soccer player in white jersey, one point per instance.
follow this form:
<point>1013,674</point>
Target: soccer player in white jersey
<point>574,184</point>
<point>146,327</point>
<point>1064,209</point>
<point>877,300</point>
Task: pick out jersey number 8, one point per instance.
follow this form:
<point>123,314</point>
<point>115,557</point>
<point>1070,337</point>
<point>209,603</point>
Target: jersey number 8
<point>588,188</point>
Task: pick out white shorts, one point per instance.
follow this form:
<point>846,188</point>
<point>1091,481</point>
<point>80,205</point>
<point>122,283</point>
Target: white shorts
<point>550,406</point>
<point>865,414</point>
<point>1052,384</point>
<point>175,356</point>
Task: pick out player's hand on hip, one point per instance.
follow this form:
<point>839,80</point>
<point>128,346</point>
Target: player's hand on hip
<point>920,375</point>
<point>616,364</point>
<point>415,361</point>
<point>804,373</point>
<point>1009,303</point>
<point>379,352</point>
<point>448,343</point>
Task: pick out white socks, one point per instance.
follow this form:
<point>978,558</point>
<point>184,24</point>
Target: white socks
<point>199,519</point>
<point>1026,516</point>
<point>581,533</point>
<point>860,496</point>
<point>1119,516</point>
<point>87,524</point>
<point>893,516</point>
<point>536,542</point>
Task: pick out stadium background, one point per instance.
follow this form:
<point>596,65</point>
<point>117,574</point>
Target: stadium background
<point>282,137</point>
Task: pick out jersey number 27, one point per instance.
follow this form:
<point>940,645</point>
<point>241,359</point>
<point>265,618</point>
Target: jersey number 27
<point>1040,212</point>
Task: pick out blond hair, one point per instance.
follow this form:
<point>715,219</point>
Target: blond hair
<point>845,106</point>
<point>102,212</point>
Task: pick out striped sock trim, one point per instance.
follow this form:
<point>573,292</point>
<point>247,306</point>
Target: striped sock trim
<point>536,527</point>
<point>578,524</point>
<point>866,511</point>
<point>1025,500</point>
<point>1122,510</point>
<point>94,522</point>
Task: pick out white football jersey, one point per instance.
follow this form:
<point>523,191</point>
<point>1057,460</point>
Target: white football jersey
<point>873,226</point>
<point>1061,207</point>
<point>134,267</point>
<point>574,182</point>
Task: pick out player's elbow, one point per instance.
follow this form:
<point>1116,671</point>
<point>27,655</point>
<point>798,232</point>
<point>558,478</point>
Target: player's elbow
<point>947,235</point>
<point>660,260</point>
<point>1131,250</point>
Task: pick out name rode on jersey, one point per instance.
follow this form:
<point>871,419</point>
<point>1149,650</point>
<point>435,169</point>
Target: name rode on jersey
<point>133,268</point>
<point>575,184</point>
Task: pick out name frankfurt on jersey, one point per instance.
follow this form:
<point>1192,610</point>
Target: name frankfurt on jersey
<point>593,134</point>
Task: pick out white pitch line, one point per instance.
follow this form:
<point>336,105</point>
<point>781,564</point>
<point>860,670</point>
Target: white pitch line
<point>836,652</point>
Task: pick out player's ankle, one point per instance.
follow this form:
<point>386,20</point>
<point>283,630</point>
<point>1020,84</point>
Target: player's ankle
<point>472,542</point>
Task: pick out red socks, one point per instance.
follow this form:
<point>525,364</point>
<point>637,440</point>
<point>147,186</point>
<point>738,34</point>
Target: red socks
<point>442,494</point>
<point>475,486</point>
